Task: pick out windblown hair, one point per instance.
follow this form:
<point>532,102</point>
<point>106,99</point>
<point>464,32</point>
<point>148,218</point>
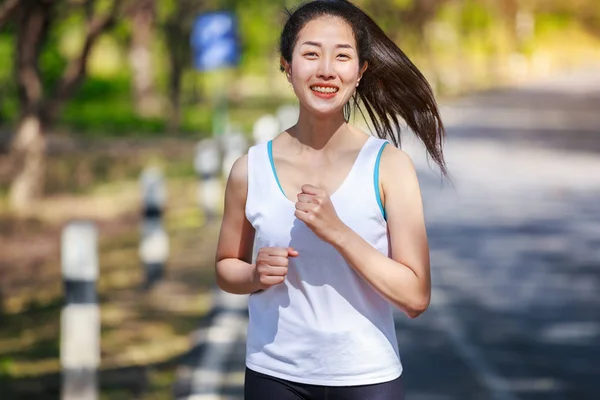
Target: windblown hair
<point>390,88</point>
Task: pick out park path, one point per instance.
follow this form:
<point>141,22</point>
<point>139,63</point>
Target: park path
<point>515,248</point>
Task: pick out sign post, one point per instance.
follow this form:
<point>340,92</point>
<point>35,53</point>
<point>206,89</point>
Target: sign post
<point>214,42</point>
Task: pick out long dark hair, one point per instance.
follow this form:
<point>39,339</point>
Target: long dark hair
<point>390,88</point>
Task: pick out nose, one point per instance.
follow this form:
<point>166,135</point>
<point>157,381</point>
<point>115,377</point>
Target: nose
<point>325,70</point>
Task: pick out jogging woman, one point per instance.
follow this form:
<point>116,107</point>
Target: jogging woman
<point>323,226</point>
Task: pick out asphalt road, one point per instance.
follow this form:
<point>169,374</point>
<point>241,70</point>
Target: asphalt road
<point>515,246</point>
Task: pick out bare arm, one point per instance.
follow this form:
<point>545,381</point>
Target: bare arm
<point>235,273</point>
<point>404,279</point>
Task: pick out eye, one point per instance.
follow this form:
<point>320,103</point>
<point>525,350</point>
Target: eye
<point>310,54</point>
<point>346,56</point>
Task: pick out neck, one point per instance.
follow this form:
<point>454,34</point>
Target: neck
<point>319,132</point>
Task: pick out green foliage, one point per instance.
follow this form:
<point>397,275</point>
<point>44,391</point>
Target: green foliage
<point>475,17</point>
<point>402,4</point>
<point>8,103</point>
<point>6,53</point>
<point>103,108</point>
<point>460,34</point>
<point>552,22</point>
<point>259,39</point>
<point>52,63</point>
<point>5,366</point>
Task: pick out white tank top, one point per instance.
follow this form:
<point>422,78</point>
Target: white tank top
<point>324,325</point>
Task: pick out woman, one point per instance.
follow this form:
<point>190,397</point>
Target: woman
<point>323,226</point>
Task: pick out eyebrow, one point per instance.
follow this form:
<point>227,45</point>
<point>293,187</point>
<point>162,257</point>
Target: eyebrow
<point>338,46</point>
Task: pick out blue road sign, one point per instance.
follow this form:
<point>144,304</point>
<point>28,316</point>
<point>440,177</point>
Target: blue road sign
<point>214,41</point>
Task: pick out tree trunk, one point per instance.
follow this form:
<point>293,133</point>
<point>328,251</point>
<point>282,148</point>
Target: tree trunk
<point>38,110</point>
<point>28,148</point>
<point>29,157</point>
<point>176,30</point>
<point>147,102</point>
<point>175,96</point>
<point>175,38</point>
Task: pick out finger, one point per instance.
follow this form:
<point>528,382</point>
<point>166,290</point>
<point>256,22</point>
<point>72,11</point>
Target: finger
<point>274,271</point>
<point>265,259</point>
<point>292,252</point>
<point>305,207</point>
<point>302,216</point>
<point>274,251</point>
<point>269,281</point>
<point>311,189</point>
<point>306,198</point>
<point>276,261</point>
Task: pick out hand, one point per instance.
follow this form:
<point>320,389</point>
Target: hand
<point>315,209</point>
<point>272,265</point>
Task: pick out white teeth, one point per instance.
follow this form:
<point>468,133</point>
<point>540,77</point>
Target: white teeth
<point>321,89</point>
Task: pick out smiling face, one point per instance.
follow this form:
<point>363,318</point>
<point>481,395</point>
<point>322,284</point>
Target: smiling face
<point>325,69</point>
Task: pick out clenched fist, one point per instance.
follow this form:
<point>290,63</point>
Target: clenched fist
<point>315,209</point>
<point>272,265</point>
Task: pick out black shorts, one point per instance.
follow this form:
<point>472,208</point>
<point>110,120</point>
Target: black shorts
<point>259,386</point>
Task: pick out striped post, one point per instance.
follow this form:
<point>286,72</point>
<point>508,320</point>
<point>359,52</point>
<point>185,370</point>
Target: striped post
<point>207,164</point>
<point>154,245</point>
<point>80,317</point>
<point>227,328</point>
<point>265,128</point>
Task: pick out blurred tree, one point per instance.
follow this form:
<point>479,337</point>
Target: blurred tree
<point>586,11</point>
<point>402,16</point>
<point>177,27</point>
<point>6,10</point>
<point>406,20</point>
<point>146,100</point>
<point>40,105</point>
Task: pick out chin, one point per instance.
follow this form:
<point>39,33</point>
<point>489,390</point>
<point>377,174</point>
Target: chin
<point>322,111</point>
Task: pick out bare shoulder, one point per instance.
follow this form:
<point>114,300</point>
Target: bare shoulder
<point>398,176</point>
<point>396,161</point>
<point>239,170</point>
<point>399,185</point>
<point>237,183</point>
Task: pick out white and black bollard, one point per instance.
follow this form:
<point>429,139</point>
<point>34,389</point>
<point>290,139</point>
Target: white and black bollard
<point>207,164</point>
<point>234,146</point>
<point>227,328</point>
<point>265,128</point>
<point>80,318</point>
<point>154,246</point>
